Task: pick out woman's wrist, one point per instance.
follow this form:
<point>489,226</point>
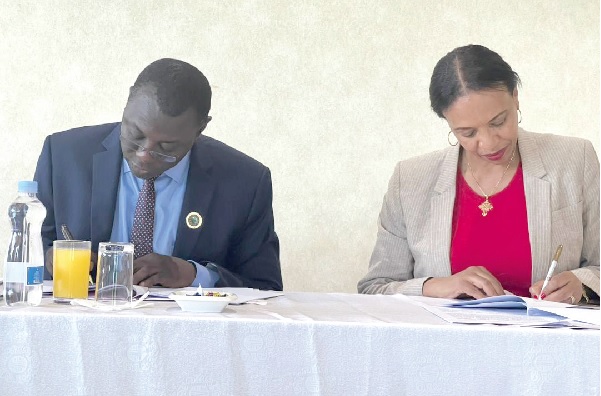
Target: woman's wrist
<point>587,294</point>
<point>424,286</point>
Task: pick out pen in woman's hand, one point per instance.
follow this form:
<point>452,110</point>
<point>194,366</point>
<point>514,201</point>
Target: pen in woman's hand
<point>551,269</point>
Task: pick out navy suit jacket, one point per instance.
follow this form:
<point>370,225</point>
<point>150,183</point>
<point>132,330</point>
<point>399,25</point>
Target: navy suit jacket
<point>78,176</point>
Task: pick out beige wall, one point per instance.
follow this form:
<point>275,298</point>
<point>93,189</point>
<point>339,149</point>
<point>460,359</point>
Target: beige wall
<point>329,95</point>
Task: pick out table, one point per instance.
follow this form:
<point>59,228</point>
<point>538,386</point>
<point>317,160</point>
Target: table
<point>297,344</point>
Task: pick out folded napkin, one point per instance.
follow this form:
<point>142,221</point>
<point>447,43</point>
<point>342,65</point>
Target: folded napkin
<point>101,306</point>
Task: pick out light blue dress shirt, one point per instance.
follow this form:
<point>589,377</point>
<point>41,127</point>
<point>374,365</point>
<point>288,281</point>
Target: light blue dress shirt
<point>170,188</point>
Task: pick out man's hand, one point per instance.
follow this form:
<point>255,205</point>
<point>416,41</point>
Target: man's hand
<point>158,270</point>
<point>49,262</point>
<point>476,282</point>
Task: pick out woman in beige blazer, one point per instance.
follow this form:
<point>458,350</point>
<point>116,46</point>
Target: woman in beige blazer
<point>550,184</point>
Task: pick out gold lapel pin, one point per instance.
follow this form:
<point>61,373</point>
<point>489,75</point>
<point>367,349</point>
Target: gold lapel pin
<point>193,220</point>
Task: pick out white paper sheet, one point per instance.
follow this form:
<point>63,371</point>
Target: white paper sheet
<point>580,314</point>
<point>47,288</point>
<point>243,294</point>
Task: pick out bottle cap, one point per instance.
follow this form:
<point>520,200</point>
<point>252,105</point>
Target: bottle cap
<point>28,186</point>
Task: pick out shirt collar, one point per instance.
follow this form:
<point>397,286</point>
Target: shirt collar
<point>178,173</point>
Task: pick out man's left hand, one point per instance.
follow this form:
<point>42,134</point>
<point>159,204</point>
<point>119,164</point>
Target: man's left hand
<point>158,270</point>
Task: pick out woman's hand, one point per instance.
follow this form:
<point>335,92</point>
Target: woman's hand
<point>564,287</point>
<point>476,282</point>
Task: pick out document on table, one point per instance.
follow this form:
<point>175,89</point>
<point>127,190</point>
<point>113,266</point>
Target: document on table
<point>510,310</point>
<point>586,314</point>
<point>48,287</point>
<point>243,294</point>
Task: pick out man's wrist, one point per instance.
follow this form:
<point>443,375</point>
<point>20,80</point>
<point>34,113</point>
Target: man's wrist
<point>186,274</point>
<point>195,268</point>
<point>207,274</point>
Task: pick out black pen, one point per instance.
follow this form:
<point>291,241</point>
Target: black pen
<point>66,233</point>
<point>69,237</point>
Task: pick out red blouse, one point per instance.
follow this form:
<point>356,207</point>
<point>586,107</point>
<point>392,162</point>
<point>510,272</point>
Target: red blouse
<point>500,242</point>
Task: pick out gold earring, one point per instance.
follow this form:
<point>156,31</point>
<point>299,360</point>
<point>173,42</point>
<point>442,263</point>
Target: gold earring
<point>449,139</point>
<point>520,119</point>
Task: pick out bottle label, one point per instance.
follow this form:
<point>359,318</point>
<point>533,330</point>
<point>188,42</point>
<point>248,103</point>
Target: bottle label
<point>14,272</point>
<point>35,275</point>
<point>26,273</point>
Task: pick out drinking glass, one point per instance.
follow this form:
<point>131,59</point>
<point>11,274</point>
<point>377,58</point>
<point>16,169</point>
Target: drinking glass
<point>71,270</point>
<point>115,273</point>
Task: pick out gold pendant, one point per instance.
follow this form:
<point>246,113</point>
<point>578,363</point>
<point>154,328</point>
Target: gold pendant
<point>485,207</point>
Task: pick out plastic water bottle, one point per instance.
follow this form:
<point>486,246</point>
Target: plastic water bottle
<point>24,263</point>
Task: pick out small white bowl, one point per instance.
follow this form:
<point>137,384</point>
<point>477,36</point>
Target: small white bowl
<point>187,301</point>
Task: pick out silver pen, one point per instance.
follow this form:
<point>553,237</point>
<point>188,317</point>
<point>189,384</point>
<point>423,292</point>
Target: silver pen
<point>551,269</point>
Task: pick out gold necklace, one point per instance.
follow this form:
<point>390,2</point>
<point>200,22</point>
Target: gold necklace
<point>486,206</point>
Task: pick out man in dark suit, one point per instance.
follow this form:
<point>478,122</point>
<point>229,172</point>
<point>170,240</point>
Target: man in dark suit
<point>212,222</point>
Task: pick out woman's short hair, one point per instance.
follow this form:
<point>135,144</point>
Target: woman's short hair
<point>467,69</point>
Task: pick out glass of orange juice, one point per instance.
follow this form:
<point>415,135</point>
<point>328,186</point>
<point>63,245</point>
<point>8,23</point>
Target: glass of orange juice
<point>71,270</point>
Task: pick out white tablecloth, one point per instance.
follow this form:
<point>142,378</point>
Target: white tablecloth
<point>298,344</point>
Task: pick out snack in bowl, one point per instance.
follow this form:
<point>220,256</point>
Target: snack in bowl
<point>208,301</point>
<point>211,294</point>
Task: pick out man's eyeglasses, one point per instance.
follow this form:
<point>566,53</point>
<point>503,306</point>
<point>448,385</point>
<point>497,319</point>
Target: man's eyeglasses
<point>133,146</point>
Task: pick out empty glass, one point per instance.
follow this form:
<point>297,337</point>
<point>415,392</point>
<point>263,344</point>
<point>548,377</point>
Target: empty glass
<point>115,273</point>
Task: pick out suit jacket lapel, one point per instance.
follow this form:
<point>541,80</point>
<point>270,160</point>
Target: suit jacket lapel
<point>441,209</point>
<point>105,181</point>
<point>197,198</point>
<point>538,204</point>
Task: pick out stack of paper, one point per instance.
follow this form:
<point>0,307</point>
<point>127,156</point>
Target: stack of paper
<point>512,310</point>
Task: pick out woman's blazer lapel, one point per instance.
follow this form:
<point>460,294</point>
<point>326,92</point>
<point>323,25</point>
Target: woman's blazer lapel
<point>538,204</point>
<point>441,209</point>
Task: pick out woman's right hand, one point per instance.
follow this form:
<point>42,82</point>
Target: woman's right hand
<point>476,282</point>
